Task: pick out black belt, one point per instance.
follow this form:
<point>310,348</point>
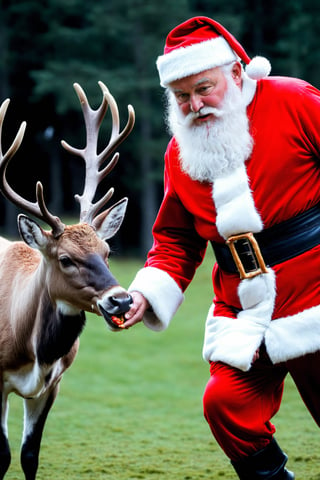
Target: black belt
<point>276,244</point>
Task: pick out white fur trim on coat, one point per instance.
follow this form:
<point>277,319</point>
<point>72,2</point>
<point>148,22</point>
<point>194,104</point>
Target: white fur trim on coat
<point>236,212</point>
<point>235,340</point>
<point>232,341</point>
<point>293,336</point>
<point>163,294</point>
<point>257,295</point>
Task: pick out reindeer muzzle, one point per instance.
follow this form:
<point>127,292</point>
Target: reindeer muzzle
<point>114,308</point>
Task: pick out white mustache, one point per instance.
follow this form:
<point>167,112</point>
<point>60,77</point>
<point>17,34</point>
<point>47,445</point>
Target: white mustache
<point>217,112</point>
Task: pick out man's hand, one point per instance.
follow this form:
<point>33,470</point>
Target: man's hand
<point>139,306</point>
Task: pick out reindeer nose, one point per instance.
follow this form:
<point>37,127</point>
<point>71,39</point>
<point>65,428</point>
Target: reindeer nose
<point>121,304</point>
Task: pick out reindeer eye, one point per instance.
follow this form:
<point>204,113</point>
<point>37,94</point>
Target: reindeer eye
<point>66,261</point>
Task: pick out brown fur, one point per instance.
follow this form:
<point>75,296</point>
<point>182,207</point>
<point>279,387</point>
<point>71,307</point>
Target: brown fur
<point>50,280</point>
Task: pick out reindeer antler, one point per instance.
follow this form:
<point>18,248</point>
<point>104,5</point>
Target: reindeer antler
<point>38,208</point>
<point>93,160</point>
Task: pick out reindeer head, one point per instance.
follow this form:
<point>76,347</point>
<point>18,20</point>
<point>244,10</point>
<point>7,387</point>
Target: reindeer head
<point>75,257</point>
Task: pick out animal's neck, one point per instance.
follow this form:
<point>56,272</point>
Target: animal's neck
<point>29,288</point>
<point>57,333</point>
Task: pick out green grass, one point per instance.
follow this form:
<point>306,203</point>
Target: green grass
<point>130,407</point>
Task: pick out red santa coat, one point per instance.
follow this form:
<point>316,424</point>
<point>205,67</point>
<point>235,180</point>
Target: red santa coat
<point>283,180</point>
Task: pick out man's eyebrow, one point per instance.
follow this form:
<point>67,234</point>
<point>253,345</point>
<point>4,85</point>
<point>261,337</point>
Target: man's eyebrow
<point>199,82</point>
<point>177,90</point>
<point>202,80</point>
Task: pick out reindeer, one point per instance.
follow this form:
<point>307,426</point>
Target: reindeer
<point>51,278</point>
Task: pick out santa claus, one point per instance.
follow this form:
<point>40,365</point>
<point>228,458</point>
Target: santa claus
<point>241,172</point>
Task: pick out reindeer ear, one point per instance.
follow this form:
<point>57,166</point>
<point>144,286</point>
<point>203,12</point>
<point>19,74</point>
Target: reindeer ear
<point>108,222</point>
<point>31,233</point>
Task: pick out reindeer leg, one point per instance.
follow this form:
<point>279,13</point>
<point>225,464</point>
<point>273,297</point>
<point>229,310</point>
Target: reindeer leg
<point>5,456</point>
<point>35,414</point>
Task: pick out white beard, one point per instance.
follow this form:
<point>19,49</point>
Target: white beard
<point>214,149</point>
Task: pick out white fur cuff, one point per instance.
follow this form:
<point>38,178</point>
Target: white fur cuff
<point>163,294</point>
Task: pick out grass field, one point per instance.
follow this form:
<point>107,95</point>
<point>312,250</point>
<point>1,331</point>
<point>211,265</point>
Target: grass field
<point>130,407</point>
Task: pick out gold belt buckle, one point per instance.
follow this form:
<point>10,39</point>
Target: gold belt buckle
<point>252,252</point>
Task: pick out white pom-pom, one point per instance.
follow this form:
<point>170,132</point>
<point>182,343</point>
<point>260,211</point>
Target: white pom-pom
<point>258,68</point>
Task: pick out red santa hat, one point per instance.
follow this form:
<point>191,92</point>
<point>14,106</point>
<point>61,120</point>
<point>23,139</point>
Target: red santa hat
<point>199,44</point>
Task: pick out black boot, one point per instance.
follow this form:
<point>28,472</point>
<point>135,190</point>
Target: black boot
<point>267,464</point>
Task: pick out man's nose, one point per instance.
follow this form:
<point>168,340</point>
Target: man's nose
<point>196,103</point>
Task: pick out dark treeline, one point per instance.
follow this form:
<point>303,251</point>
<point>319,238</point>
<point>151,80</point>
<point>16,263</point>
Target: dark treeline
<point>47,45</point>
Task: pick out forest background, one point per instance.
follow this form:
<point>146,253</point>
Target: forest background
<point>47,45</point>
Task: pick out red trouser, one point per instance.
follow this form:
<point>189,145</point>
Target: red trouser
<point>238,405</point>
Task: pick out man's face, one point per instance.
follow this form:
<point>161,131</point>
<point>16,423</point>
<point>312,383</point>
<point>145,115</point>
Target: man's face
<point>204,89</point>
<point>216,139</point>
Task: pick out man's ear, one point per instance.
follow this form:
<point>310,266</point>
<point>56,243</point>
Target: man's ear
<point>236,73</point>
